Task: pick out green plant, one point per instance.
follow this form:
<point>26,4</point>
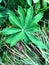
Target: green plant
<point>24,32</point>
<point>24,27</point>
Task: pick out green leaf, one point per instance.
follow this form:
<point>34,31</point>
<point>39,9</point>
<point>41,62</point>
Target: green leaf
<point>0,1</point>
<point>8,31</point>
<point>2,7</point>
<point>13,19</point>
<point>13,39</point>
<point>24,37</point>
<point>29,16</point>
<point>37,7</point>
<point>35,1</point>
<point>47,29</point>
<point>37,18</point>
<point>47,1</point>
<point>22,15</point>
<point>29,2</point>
<point>34,28</point>
<point>36,41</point>
<point>44,4</point>
<point>1,15</point>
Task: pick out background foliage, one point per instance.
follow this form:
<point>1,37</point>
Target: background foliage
<point>24,32</point>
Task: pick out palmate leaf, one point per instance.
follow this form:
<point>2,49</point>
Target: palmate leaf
<point>8,31</point>
<point>25,30</point>
<point>22,15</point>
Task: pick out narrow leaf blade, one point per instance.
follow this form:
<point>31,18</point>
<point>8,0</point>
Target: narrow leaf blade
<point>37,18</point>
<point>29,16</point>
<point>13,39</point>
<point>8,31</point>
<point>13,18</point>
<point>22,15</point>
<point>34,28</point>
<point>36,41</point>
